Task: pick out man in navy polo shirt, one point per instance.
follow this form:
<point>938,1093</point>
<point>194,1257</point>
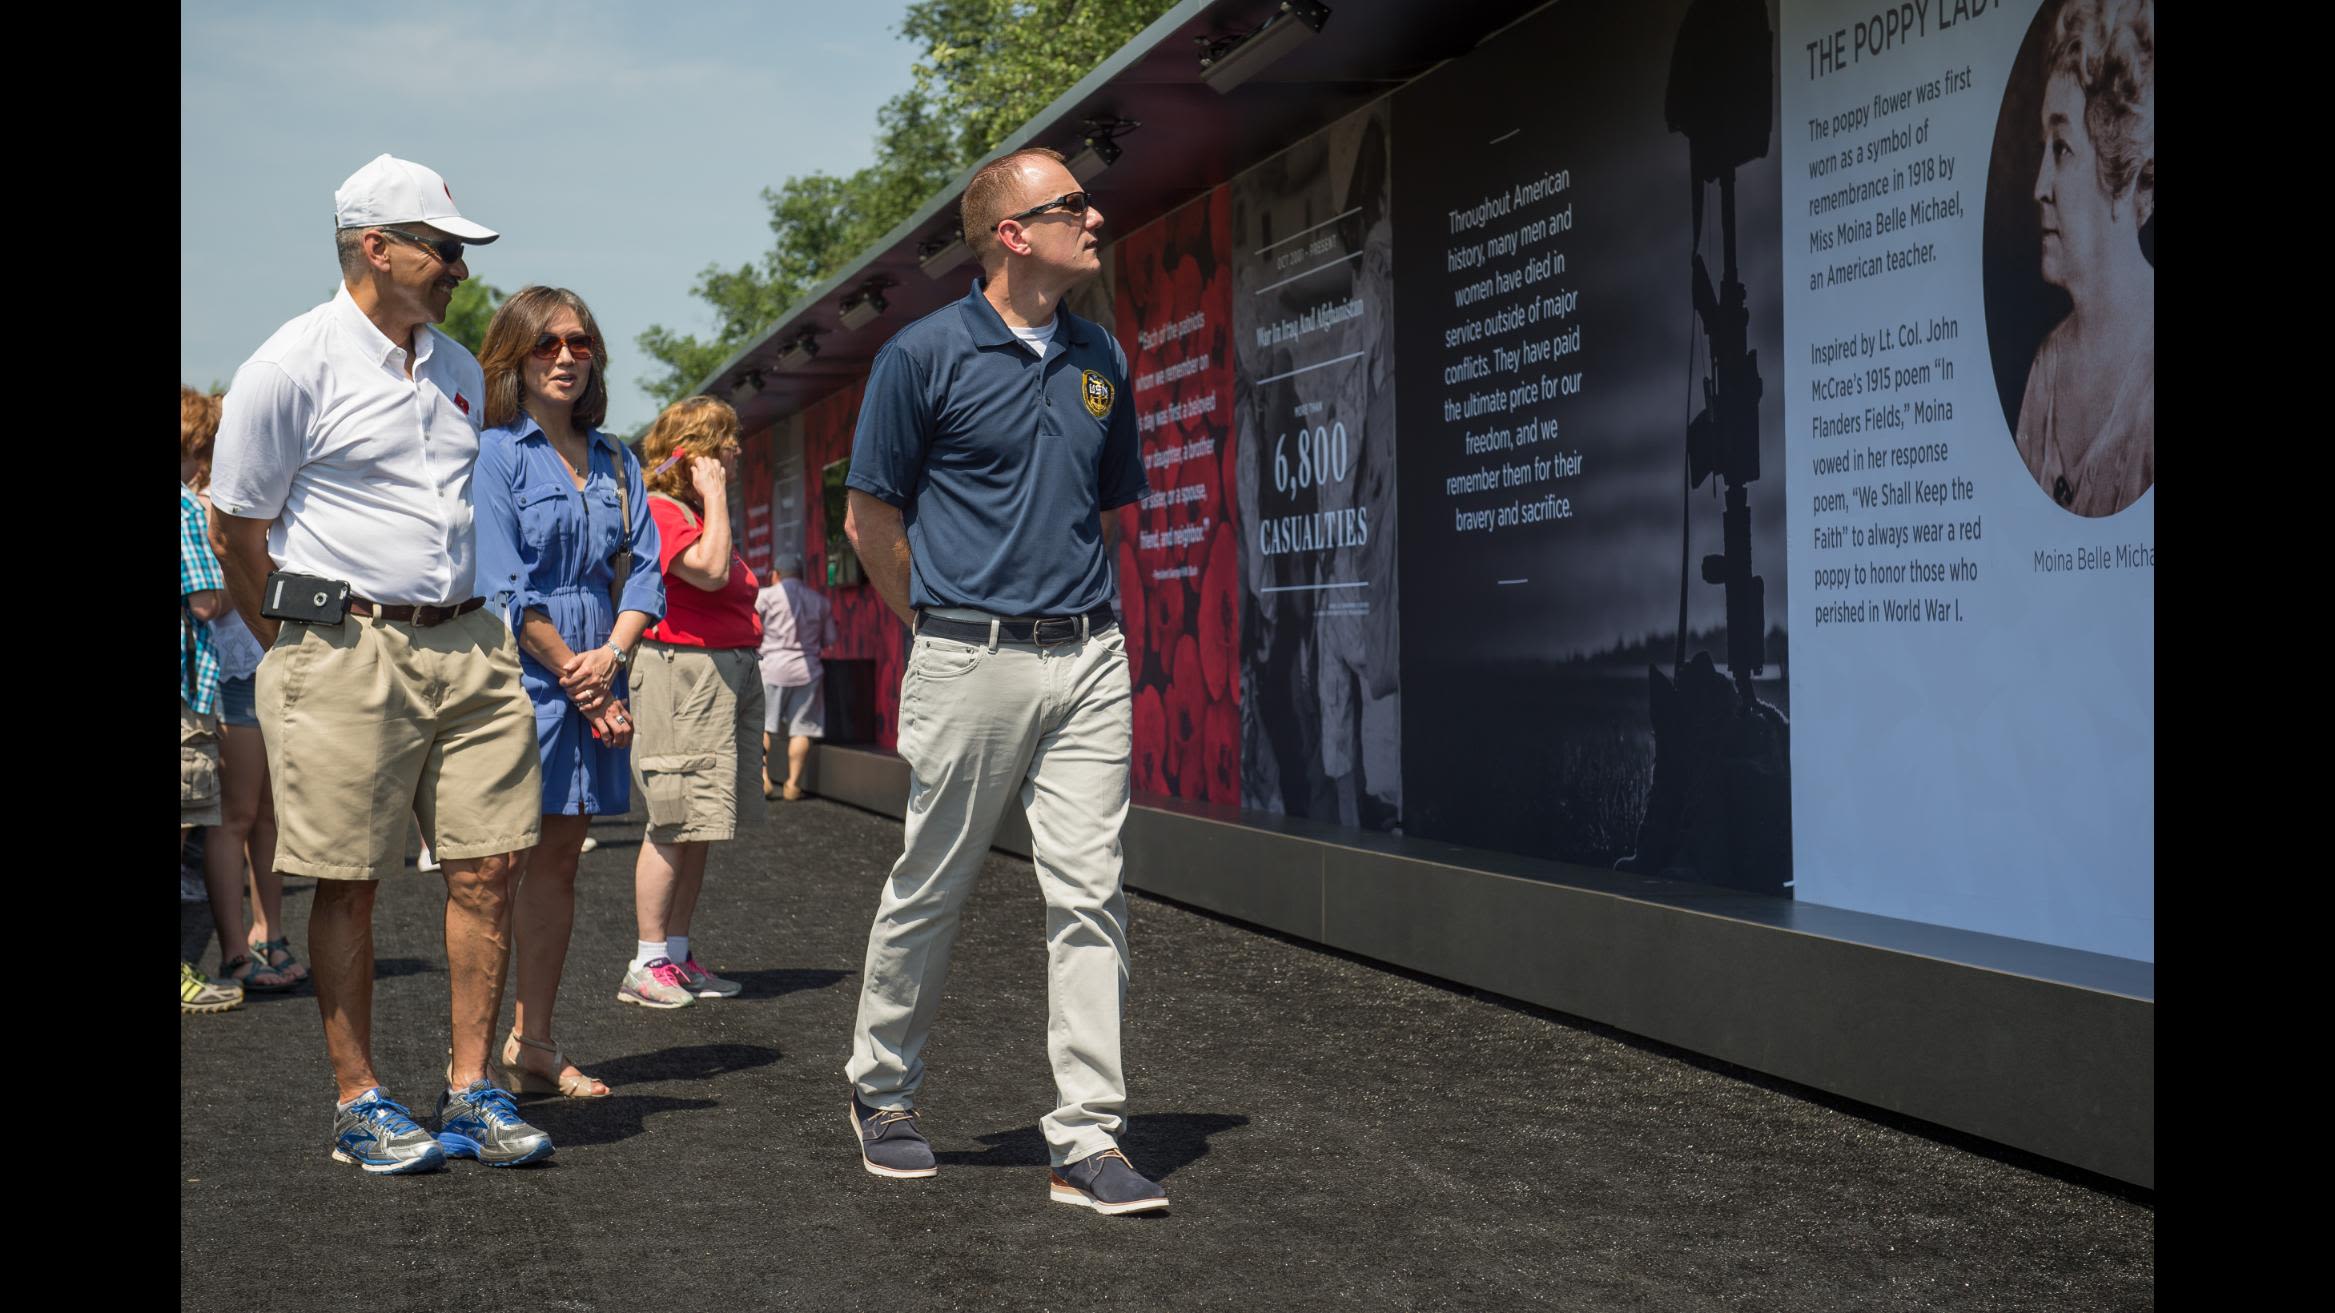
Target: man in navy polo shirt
<point>994,436</point>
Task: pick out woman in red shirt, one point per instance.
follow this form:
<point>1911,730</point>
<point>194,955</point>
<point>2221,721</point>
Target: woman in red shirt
<point>696,698</point>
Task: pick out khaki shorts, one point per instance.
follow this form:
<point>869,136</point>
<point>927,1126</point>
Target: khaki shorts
<point>372,725</point>
<point>697,739</point>
<point>198,766</point>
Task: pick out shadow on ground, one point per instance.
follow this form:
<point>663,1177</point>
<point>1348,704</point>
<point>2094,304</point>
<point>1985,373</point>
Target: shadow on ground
<point>390,968</point>
<point>696,1062</point>
<point>780,981</point>
<point>1157,1143</point>
<point>575,1123</point>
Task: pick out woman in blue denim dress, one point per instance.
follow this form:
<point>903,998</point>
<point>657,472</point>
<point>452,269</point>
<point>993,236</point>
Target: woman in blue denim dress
<point>558,503</point>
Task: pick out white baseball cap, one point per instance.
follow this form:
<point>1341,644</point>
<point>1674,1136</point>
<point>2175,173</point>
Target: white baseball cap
<point>390,190</point>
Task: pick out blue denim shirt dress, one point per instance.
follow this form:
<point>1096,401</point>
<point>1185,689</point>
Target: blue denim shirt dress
<point>545,545</point>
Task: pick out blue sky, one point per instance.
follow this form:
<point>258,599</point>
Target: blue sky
<point>618,148</point>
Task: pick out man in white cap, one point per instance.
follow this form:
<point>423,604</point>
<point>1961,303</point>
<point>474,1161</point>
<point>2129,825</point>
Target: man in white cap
<point>341,481</point>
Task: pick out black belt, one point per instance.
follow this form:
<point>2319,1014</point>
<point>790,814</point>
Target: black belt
<point>1052,631</point>
<point>421,616</point>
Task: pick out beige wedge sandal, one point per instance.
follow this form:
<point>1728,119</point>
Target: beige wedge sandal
<point>519,1080</point>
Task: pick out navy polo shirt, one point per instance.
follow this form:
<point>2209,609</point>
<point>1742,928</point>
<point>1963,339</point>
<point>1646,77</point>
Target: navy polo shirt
<point>1000,460</point>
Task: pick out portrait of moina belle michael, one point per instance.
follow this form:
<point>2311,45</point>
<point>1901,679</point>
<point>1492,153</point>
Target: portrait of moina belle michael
<point>2088,419</point>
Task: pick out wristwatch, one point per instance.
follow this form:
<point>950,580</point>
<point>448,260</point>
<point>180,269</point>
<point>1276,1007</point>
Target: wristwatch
<point>623,658</point>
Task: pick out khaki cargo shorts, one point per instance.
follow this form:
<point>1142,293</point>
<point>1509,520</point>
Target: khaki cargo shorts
<point>373,725</point>
<point>697,740</point>
<point>198,766</point>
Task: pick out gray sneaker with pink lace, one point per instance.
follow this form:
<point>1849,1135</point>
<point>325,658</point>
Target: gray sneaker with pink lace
<point>658,984</point>
<point>705,984</point>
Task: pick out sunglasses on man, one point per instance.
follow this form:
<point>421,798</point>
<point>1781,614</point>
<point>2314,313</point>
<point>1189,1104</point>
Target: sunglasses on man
<point>1074,202</point>
<point>446,249</point>
<point>547,346</point>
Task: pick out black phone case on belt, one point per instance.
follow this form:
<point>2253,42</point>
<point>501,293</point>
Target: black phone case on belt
<point>305,597</point>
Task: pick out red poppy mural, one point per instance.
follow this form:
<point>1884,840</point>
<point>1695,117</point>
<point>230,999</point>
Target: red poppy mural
<point>869,630</point>
<point>1178,566</point>
<point>754,491</point>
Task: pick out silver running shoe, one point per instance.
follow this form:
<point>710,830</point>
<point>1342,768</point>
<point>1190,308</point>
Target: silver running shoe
<point>660,984</point>
<point>705,984</point>
<point>482,1122</point>
<point>379,1135</point>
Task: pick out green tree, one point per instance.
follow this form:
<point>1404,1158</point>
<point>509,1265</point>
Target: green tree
<point>988,66</point>
<point>467,316</point>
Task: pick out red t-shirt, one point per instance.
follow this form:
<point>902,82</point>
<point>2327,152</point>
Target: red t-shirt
<point>693,616</point>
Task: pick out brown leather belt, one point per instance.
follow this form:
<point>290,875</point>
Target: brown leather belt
<point>420,616</point>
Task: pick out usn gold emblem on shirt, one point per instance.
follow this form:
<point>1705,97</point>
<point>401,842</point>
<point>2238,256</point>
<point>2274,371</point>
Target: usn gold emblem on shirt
<point>1097,391</point>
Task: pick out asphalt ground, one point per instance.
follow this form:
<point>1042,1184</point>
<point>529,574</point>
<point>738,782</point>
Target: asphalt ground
<point>1333,1134</point>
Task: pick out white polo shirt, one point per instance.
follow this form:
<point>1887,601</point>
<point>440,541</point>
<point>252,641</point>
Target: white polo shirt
<point>365,472</point>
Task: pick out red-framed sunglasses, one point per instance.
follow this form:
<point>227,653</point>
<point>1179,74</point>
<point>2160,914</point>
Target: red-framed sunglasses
<point>547,346</point>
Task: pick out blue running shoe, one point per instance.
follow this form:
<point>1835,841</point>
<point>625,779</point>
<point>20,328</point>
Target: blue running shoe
<point>379,1135</point>
<point>482,1122</point>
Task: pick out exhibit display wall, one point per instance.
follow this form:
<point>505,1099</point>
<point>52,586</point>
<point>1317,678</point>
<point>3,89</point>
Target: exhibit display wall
<point>1707,440</point>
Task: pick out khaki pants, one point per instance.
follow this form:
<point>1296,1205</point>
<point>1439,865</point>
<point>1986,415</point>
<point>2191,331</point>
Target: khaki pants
<point>980,727</point>
<point>371,722</point>
<point>198,766</point>
<point>696,740</point>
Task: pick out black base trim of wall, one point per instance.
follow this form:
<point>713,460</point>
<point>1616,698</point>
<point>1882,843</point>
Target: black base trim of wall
<point>2044,1050</point>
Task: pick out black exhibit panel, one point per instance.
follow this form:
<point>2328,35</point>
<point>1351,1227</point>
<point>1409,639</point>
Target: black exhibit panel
<point>1586,213</point>
<point>1315,377</point>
